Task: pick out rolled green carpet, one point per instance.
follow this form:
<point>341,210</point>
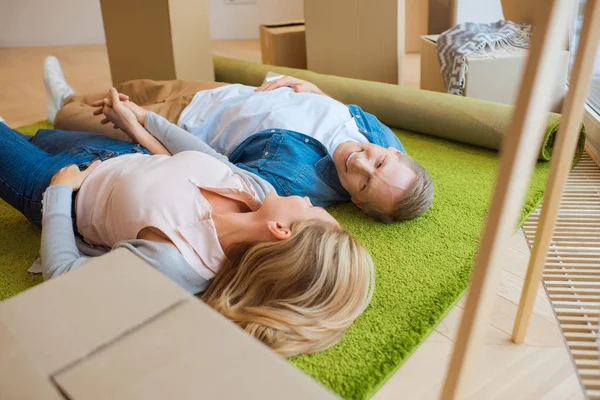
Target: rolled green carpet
<point>465,120</point>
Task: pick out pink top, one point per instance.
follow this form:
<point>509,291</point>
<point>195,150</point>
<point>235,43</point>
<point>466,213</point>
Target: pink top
<point>131,192</point>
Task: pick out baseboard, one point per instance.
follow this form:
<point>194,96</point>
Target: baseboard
<point>593,151</point>
<point>592,126</point>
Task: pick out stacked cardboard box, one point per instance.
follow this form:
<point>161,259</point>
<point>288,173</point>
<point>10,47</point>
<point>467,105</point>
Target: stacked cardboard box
<point>355,38</point>
<point>495,77</point>
<point>284,44</point>
<point>158,39</point>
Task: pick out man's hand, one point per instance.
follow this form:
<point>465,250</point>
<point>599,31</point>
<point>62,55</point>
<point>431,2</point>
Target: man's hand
<point>298,85</point>
<point>117,113</point>
<point>72,176</point>
<point>139,112</point>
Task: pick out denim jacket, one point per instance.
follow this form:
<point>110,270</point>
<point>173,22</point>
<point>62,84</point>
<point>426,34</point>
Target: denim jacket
<point>297,164</point>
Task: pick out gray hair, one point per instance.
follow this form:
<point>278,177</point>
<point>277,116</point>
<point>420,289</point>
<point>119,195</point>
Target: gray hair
<point>416,200</point>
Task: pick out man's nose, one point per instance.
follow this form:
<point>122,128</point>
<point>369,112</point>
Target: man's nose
<point>363,164</point>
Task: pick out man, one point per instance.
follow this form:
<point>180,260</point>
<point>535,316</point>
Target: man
<point>288,132</point>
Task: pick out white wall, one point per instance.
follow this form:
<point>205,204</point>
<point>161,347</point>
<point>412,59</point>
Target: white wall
<point>478,11</point>
<point>66,22</point>
<point>50,22</point>
<point>240,21</point>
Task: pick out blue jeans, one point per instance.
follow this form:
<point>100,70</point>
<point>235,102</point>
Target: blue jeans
<point>26,169</point>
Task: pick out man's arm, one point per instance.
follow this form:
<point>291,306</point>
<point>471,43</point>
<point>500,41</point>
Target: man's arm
<point>299,85</point>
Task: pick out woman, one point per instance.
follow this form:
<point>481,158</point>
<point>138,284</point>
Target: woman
<point>280,268</point>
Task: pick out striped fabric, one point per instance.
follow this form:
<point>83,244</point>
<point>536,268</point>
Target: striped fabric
<point>471,38</point>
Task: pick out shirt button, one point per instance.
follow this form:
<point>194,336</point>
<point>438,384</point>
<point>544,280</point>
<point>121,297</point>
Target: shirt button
<point>358,116</point>
<point>266,153</point>
<point>272,130</point>
<point>305,140</point>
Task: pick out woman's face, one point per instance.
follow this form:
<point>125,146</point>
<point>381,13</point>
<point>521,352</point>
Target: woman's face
<point>288,210</point>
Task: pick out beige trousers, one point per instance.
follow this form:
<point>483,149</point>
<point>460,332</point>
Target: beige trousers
<point>166,98</point>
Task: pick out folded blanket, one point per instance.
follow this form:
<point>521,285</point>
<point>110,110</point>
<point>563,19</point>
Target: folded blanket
<point>462,119</point>
<point>470,38</point>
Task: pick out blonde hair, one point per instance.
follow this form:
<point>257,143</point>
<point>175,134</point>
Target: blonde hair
<point>297,295</point>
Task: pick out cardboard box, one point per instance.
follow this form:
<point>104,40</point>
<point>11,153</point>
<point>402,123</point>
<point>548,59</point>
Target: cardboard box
<point>493,78</point>
<point>117,329</point>
<point>158,39</point>
<point>417,16</point>
<point>355,38</point>
<point>284,44</point>
<point>444,14</point>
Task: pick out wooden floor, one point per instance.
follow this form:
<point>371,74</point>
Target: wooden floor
<point>572,269</point>
<point>539,369</point>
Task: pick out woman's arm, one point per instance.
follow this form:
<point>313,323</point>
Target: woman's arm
<point>137,121</point>
<point>58,250</point>
<point>122,117</point>
<point>177,140</point>
<point>149,129</point>
<point>140,135</point>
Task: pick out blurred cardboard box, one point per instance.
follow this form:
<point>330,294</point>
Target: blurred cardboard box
<point>417,15</point>
<point>494,78</point>
<point>355,38</point>
<point>444,14</point>
<point>158,39</point>
<point>115,328</point>
<point>284,44</point>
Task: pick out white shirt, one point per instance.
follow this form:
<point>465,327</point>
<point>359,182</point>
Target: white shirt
<point>224,117</point>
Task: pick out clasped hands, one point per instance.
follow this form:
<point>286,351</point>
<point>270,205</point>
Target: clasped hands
<point>118,110</point>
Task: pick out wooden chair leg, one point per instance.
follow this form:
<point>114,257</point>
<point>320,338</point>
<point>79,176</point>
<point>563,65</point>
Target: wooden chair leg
<point>568,135</point>
<point>518,157</point>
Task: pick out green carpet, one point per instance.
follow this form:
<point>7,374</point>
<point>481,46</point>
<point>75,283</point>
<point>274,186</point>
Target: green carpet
<point>422,265</point>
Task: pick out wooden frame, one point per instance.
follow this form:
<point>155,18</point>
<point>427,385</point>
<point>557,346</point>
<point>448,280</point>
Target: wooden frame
<point>566,142</point>
<point>518,156</point>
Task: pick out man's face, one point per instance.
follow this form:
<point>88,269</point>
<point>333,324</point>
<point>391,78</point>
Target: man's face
<point>373,174</point>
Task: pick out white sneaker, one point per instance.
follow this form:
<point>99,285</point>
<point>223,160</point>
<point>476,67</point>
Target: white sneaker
<point>57,88</point>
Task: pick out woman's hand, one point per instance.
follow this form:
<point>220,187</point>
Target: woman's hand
<point>72,176</point>
<point>140,113</point>
<point>298,85</point>
<point>118,110</point>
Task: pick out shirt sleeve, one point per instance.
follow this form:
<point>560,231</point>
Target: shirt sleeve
<point>58,250</point>
<point>166,259</point>
<point>176,140</point>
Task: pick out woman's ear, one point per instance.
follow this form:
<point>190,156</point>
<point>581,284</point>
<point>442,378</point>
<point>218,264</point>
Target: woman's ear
<point>278,231</point>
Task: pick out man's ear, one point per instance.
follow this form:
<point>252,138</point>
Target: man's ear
<point>278,231</point>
